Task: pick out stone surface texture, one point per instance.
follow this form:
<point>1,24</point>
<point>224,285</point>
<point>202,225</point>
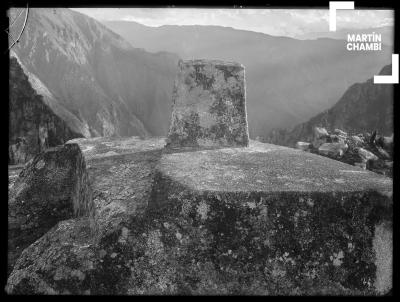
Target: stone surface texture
<point>369,151</point>
<point>91,255</point>
<point>33,125</point>
<point>52,187</point>
<point>258,220</point>
<point>209,106</point>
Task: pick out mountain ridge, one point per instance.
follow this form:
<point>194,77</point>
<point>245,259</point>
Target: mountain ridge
<point>33,124</point>
<point>288,80</point>
<point>95,74</point>
<point>341,34</point>
<point>364,107</point>
<point>51,101</point>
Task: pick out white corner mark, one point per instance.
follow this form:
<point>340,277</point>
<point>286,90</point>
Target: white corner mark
<point>335,5</point>
<point>390,79</point>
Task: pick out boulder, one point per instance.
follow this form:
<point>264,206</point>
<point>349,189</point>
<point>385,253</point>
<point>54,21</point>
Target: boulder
<point>334,138</point>
<point>382,153</point>
<point>320,136</point>
<point>333,149</point>
<point>366,155</point>
<point>91,255</point>
<point>362,165</point>
<point>356,141</point>
<point>303,146</point>
<point>320,132</point>
<point>340,132</point>
<point>209,106</point>
<point>52,187</point>
<point>367,151</point>
<point>381,166</point>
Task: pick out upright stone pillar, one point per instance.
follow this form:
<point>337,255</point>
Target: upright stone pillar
<point>209,106</point>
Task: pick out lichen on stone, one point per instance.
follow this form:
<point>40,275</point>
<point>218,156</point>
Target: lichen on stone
<point>208,106</point>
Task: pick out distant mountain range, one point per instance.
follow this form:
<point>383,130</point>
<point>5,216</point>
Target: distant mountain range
<point>104,86</point>
<point>386,32</point>
<point>364,107</point>
<point>287,80</point>
<point>117,80</point>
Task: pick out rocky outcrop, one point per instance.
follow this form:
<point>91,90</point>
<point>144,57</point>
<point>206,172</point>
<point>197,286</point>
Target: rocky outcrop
<point>368,151</point>
<point>363,107</point>
<point>332,149</point>
<point>33,126</point>
<point>209,106</point>
<point>266,220</point>
<point>84,256</point>
<point>52,187</point>
<point>303,146</point>
<point>258,220</point>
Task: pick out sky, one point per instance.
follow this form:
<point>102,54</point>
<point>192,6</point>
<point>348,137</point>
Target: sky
<point>278,22</point>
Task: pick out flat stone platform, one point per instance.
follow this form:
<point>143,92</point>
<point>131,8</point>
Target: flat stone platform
<point>296,222</point>
<point>260,220</point>
<point>102,147</point>
<point>268,168</point>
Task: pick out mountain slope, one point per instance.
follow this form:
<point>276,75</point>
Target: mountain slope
<point>363,107</point>
<point>52,102</point>
<point>287,80</point>
<point>113,88</point>
<point>33,125</point>
<point>386,32</point>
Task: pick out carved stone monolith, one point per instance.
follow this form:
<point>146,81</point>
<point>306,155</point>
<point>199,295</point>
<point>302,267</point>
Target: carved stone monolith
<point>209,106</point>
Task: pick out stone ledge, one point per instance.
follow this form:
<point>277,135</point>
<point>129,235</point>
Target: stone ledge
<point>100,147</point>
<point>217,63</point>
<point>52,187</point>
<point>280,211</point>
<point>165,224</point>
<point>120,172</point>
<point>268,168</point>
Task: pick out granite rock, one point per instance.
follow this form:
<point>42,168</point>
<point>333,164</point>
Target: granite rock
<point>34,126</point>
<point>259,220</point>
<point>52,187</point>
<point>333,149</point>
<point>303,146</point>
<point>91,255</point>
<point>209,106</point>
<point>368,151</point>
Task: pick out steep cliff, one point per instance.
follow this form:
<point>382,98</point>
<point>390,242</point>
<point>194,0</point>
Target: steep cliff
<point>364,107</point>
<point>113,88</point>
<point>33,125</point>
